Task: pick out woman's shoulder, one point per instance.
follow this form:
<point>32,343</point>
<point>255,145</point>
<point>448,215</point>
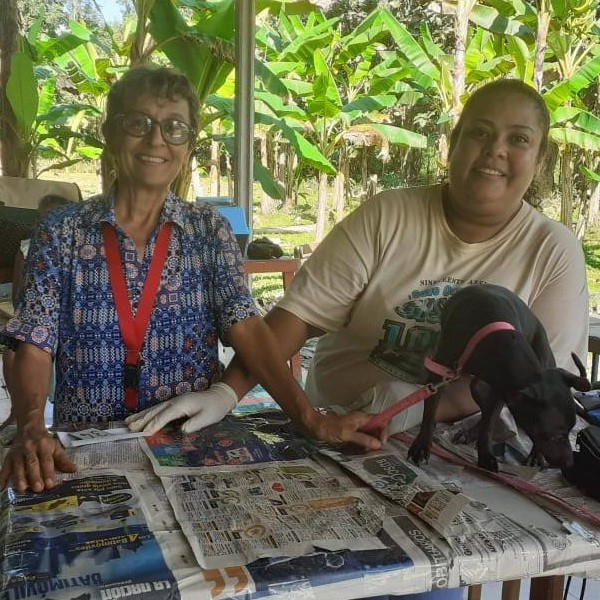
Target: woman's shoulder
<point>199,218</point>
<point>401,203</point>
<point>547,226</point>
<point>78,213</point>
<point>411,195</point>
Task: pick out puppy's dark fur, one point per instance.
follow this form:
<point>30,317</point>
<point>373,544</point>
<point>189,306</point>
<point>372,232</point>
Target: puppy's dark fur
<point>515,368</point>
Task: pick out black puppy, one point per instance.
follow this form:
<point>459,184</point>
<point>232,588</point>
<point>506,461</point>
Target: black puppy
<point>515,368</point>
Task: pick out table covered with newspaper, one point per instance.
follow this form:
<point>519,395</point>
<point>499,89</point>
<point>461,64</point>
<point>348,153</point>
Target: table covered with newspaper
<point>247,509</point>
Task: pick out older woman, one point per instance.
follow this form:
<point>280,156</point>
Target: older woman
<point>130,292</point>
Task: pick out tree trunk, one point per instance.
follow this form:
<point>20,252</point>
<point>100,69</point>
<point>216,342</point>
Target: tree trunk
<point>543,24</point>
<point>594,208</point>
<point>364,171</point>
<point>229,175</point>
<point>566,187</point>
<point>461,30</point>
<point>322,207</point>
<point>197,186</point>
<point>267,204</point>
<point>288,162</point>
<point>215,174</point>
<point>13,158</point>
<point>338,195</point>
<point>339,186</point>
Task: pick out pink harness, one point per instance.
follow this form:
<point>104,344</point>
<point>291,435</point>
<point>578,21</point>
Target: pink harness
<point>448,374</point>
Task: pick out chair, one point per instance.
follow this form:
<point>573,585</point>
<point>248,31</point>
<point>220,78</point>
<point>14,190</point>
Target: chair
<point>26,193</point>
<point>19,199</point>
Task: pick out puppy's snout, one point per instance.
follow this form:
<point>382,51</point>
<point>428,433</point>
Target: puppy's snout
<point>558,453</point>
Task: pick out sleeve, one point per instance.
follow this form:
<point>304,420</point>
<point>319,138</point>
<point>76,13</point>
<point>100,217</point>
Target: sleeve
<point>37,315</point>
<point>229,293</point>
<point>324,290</point>
<point>562,305</point>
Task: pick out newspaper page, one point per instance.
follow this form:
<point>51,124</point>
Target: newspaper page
<point>494,545</point>
<point>87,537</point>
<point>237,440</point>
<point>93,435</point>
<point>125,455</point>
<point>233,518</point>
<point>401,481</point>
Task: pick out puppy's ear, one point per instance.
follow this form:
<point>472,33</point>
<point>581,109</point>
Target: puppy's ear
<point>581,384</point>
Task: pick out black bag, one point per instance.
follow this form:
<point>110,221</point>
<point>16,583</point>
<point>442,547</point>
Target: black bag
<point>263,249</point>
<point>585,472</point>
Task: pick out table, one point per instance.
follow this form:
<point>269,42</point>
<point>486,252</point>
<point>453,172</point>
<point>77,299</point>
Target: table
<point>417,557</point>
<point>288,268</point>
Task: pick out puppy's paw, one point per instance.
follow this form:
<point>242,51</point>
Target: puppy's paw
<point>536,459</point>
<point>486,460</point>
<point>419,451</point>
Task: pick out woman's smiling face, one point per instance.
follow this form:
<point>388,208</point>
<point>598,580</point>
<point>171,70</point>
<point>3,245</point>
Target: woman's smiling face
<point>150,161</point>
<point>495,156</point>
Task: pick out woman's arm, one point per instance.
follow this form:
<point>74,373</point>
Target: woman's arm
<point>562,306</point>
<point>290,333</point>
<point>263,350</point>
<point>17,276</point>
<point>35,453</point>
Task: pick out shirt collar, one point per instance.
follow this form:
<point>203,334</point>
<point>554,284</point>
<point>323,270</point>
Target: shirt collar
<point>173,210</point>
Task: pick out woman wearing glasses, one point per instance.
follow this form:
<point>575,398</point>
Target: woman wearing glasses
<point>130,292</point>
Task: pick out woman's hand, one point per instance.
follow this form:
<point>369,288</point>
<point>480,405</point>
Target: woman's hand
<point>342,429</point>
<point>32,460</point>
<point>200,408</point>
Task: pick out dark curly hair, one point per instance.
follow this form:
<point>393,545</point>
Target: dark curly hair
<point>161,82</point>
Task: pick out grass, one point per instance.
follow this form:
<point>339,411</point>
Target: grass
<point>591,249</point>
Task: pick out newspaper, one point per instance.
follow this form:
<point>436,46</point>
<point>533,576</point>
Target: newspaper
<point>125,456</point>
<point>87,537</point>
<point>93,435</point>
<point>445,508</point>
<point>237,440</point>
<point>233,518</point>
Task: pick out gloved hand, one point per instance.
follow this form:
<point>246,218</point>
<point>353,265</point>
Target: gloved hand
<point>202,408</point>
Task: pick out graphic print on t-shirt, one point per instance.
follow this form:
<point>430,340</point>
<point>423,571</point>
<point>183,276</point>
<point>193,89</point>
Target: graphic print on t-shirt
<point>413,331</point>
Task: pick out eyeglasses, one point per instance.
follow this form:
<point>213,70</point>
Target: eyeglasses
<point>139,124</point>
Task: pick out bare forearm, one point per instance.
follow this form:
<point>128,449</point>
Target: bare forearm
<point>30,380</point>
<point>261,357</point>
<point>289,334</point>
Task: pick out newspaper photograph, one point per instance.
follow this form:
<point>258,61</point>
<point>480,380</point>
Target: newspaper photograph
<point>87,537</point>
<point>251,439</point>
<point>234,518</point>
<point>93,435</point>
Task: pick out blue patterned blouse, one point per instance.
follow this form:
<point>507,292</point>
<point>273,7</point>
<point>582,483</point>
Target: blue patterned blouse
<point>67,306</point>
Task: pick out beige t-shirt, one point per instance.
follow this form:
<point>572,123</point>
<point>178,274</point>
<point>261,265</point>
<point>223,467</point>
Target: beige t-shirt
<point>379,280</point>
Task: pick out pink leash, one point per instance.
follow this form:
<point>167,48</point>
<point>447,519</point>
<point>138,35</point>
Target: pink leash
<point>531,491</point>
<point>447,374</point>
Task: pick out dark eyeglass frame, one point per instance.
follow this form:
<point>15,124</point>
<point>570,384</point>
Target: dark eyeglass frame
<point>152,122</point>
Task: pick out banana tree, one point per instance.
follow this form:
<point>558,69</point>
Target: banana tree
<point>202,45</point>
<point>329,79</point>
<point>575,59</point>
<point>42,72</point>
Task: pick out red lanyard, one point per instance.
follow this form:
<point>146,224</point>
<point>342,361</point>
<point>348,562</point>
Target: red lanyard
<point>133,331</point>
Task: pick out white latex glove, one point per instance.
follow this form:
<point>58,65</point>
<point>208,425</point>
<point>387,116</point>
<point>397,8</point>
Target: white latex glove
<point>202,408</point>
